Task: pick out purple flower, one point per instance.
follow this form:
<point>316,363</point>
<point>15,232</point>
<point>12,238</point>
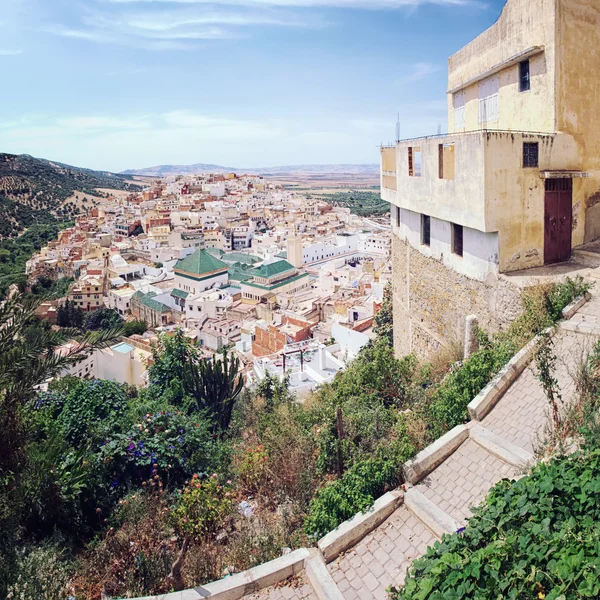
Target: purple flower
<point>114,483</point>
<point>132,446</point>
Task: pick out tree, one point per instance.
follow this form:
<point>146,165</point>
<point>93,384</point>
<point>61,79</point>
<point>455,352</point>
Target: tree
<point>29,355</point>
<point>185,379</point>
<point>384,319</point>
<point>134,328</point>
<point>68,315</point>
<point>103,318</point>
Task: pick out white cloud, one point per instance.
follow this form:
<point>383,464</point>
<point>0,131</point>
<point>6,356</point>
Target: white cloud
<point>79,124</point>
<point>7,52</point>
<point>419,71</point>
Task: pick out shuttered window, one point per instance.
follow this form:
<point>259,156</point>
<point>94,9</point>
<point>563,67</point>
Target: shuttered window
<point>488,100</point>
<point>458,101</point>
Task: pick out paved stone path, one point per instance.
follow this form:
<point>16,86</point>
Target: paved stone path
<point>295,588</point>
<point>520,417</point>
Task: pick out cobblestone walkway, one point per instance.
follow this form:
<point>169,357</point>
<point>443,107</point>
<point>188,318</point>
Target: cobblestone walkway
<point>381,559</point>
<point>295,588</point>
<point>522,413</point>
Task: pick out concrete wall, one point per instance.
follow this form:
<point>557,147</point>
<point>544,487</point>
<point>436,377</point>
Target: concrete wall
<point>515,195</point>
<point>431,302</point>
<point>480,250</point>
<point>523,24</point>
<point>578,91</point>
<point>460,200</point>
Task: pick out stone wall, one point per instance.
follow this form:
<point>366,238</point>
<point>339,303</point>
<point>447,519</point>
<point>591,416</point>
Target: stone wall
<point>431,302</point>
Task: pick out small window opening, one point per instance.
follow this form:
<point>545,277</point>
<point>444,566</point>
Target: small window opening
<point>446,161</point>
<point>457,239</point>
<point>398,221</point>
<point>530,154</point>
<point>524,78</point>
<point>425,230</point>
<point>414,162</point>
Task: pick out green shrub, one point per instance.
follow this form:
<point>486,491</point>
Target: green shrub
<point>562,294</point>
<point>202,507</point>
<point>535,538</point>
<point>359,487</point>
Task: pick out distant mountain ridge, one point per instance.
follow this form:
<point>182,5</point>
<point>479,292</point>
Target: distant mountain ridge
<point>282,171</point>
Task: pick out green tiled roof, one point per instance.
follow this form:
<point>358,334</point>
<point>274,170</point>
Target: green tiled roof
<point>240,257</point>
<point>200,263</point>
<point>275,285</point>
<point>237,272</point>
<point>216,252</point>
<point>147,300</point>
<point>273,269</point>
<point>179,293</point>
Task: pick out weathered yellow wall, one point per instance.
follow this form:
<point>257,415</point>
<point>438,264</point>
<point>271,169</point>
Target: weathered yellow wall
<point>515,195</point>
<point>578,100</point>
<point>388,159</point>
<point>522,25</point>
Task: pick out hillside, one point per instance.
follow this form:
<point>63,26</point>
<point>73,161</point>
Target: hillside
<point>38,191</point>
<point>283,171</point>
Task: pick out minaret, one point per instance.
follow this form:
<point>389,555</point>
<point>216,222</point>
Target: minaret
<point>294,250</point>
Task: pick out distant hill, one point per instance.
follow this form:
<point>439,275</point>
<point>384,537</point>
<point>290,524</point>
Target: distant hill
<point>283,171</point>
<point>34,190</point>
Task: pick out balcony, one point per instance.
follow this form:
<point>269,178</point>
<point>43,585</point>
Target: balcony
<point>475,179</point>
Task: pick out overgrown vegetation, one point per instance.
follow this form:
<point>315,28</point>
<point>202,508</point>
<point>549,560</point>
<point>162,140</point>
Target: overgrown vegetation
<point>35,191</point>
<point>14,253</point>
<point>141,491</point>
<point>363,204</point>
<point>536,537</point>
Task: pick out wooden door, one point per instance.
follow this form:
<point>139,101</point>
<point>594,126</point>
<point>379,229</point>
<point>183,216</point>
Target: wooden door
<point>558,217</point>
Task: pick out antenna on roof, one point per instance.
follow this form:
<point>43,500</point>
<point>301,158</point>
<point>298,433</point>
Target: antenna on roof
<point>398,129</point>
<point>439,129</point>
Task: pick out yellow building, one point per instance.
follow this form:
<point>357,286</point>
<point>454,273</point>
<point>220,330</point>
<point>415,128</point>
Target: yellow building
<point>87,295</point>
<point>516,182</point>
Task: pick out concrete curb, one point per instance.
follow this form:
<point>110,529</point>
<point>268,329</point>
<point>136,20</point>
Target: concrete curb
<point>430,514</point>
<point>239,585</point>
<point>350,532</point>
<point>498,446</point>
<point>321,581</point>
<point>572,308</point>
<point>435,454</point>
<point>489,396</point>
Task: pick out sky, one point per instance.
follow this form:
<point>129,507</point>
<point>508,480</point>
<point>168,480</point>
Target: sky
<point>120,84</point>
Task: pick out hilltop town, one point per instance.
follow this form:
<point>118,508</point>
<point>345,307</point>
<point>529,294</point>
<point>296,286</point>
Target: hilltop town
<point>290,283</point>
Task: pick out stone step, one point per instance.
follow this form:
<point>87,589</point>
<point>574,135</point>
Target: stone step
<point>498,446</point>
<point>429,513</point>
<point>464,479</point>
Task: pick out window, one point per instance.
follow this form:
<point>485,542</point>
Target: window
<point>398,221</point>
<point>524,79</point>
<point>530,154</point>
<point>414,162</point>
<point>488,100</point>
<point>446,161</point>
<point>457,239</point>
<point>425,230</point>
<point>458,100</point>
